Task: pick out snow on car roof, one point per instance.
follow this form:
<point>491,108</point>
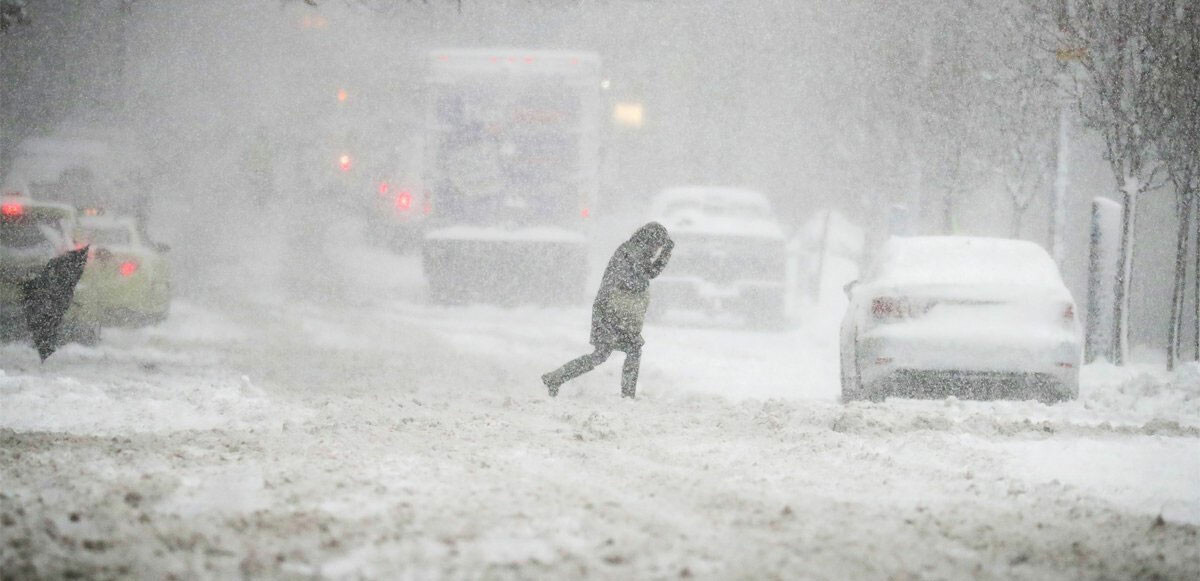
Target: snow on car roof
<point>965,259</point>
<point>45,158</point>
<point>710,195</point>
<point>716,210</point>
<point>27,202</point>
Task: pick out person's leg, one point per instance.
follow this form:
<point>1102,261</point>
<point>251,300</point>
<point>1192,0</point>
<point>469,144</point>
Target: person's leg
<point>629,373</point>
<point>574,368</point>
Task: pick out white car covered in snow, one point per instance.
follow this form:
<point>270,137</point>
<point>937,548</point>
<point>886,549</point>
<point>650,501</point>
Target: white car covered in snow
<point>974,318</point>
<point>729,253</point>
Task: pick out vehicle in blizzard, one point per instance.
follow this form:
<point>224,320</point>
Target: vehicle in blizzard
<point>31,234</point>
<point>83,166</point>
<point>974,318</point>
<point>398,213</point>
<point>730,254</point>
<point>511,159</point>
<point>128,279</point>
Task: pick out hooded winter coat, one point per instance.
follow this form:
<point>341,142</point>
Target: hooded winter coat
<point>620,306</point>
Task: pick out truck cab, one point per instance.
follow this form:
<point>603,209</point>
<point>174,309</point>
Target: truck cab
<point>511,152</point>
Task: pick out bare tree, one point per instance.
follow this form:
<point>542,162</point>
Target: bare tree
<point>1120,75</point>
<point>1024,98</point>
<point>1179,145</point>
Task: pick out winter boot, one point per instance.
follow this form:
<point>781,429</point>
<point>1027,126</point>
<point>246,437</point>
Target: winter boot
<point>629,373</point>
<point>552,383</point>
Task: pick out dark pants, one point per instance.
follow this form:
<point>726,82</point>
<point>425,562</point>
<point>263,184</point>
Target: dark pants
<point>580,365</point>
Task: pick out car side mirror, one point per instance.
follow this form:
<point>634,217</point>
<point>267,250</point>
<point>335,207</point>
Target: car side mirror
<point>849,288</point>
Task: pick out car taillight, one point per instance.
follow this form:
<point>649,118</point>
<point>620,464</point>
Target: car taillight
<point>384,188</point>
<point>344,162</point>
<point>585,213</point>
<point>1068,314</point>
<point>403,201</point>
<point>888,308</point>
<point>12,209</point>
<point>127,268</point>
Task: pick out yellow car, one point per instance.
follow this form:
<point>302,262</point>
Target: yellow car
<point>127,282</point>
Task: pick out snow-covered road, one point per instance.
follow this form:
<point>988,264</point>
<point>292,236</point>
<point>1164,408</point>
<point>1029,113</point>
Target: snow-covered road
<point>384,438</point>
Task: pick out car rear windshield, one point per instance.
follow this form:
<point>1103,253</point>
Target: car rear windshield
<point>969,261</point>
<point>24,234</point>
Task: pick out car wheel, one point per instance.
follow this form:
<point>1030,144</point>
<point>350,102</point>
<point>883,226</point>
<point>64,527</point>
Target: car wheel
<point>1055,392</point>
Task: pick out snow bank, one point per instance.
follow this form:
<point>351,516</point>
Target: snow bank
<point>78,404</point>
<point>160,379</point>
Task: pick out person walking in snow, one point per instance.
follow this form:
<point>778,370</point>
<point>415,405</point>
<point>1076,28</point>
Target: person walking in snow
<point>620,308</point>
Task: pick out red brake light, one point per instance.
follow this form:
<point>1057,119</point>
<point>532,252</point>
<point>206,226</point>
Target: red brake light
<point>127,268</point>
<point>585,213</point>
<point>889,308</point>
<point>384,188</point>
<point>12,209</point>
<point>403,201</point>
<point>344,162</point>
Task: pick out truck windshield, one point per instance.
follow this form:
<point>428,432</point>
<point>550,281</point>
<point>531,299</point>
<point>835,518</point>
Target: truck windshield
<point>507,152</point>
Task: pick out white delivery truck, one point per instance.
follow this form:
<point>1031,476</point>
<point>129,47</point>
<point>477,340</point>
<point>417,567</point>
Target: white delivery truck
<point>511,163</point>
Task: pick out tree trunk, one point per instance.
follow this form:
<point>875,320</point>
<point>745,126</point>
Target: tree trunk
<point>1124,274</point>
<point>1179,290</point>
<point>1018,219</point>
<point>948,212</point>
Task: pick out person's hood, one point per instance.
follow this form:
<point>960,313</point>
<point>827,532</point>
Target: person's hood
<point>652,235</point>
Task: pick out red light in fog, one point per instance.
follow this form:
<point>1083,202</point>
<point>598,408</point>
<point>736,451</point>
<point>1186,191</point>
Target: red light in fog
<point>341,95</point>
<point>12,209</point>
<point>887,308</point>
<point>344,162</point>
<point>384,187</point>
<point>128,267</point>
<point>403,201</point>
<point>1069,313</point>
<point>585,213</point>
<point>427,207</point>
